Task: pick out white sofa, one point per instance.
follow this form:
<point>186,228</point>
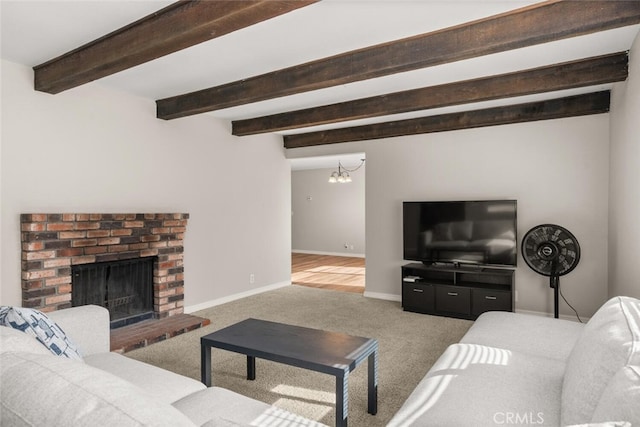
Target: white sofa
<point>38,388</point>
<point>516,369</point>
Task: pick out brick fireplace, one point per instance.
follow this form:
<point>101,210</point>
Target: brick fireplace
<point>53,243</point>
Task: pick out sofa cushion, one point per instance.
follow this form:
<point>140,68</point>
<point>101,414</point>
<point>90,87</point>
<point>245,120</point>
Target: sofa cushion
<point>472,385</point>
<point>221,422</point>
<point>604,424</point>
<point>218,406</point>
<point>161,384</point>
<point>535,335</point>
<point>621,399</point>
<point>609,341</point>
<point>45,330</point>
<point>44,390</point>
<point>16,340</point>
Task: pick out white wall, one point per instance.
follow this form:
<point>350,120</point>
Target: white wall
<point>326,216</point>
<point>92,149</point>
<point>624,190</point>
<point>558,171</point>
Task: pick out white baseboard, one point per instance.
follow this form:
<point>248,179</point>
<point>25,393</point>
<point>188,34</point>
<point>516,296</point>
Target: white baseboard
<point>302,251</point>
<point>223,300</point>
<point>379,295</point>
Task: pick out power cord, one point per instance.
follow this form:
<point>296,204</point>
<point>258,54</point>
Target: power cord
<point>570,306</point>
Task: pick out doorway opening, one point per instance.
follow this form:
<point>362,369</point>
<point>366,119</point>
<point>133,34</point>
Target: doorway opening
<point>328,223</point>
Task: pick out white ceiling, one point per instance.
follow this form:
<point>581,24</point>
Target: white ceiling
<point>33,32</point>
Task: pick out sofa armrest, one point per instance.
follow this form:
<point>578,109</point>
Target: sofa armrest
<point>87,326</point>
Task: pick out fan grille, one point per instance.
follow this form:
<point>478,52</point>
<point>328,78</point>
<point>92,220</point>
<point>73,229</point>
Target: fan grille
<point>550,250</point>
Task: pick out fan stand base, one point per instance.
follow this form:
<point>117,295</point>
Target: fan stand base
<point>554,282</point>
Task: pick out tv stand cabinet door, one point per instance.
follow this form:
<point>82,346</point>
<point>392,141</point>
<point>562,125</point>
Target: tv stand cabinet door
<point>418,297</point>
<point>454,300</point>
<point>484,300</point>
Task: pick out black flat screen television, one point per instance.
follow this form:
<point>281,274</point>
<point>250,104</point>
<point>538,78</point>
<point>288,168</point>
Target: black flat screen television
<point>463,232</point>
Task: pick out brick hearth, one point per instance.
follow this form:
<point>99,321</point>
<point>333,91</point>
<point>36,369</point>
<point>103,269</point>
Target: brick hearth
<point>148,332</point>
<point>52,243</point>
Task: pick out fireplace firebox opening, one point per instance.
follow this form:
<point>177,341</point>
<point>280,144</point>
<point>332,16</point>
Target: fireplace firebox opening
<point>123,287</point>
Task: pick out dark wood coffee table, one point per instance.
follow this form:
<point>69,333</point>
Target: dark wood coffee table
<point>322,351</point>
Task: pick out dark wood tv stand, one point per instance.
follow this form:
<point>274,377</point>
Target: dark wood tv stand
<point>463,292</point>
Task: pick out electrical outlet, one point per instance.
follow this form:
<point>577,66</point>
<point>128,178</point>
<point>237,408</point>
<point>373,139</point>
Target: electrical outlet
<point>351,247</point>
<point>252,278</point>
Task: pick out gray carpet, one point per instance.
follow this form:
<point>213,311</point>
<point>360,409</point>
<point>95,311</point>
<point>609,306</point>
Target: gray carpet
<point>409,344</point>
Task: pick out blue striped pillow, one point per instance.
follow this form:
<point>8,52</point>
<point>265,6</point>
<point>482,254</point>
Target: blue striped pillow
<point>40,326</point>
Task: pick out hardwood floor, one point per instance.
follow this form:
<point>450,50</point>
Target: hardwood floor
<point>337,273</point>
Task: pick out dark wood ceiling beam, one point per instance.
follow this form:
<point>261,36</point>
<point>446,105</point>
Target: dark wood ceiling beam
<point>568,75</point>
<point>177,26</point>
<point>539,23</point>
<point>579,105</point>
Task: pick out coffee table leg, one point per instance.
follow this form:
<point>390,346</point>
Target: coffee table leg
<point>251,368</point>
<point>342,400</point>
<point>372,403</point>
<point>205,364</point>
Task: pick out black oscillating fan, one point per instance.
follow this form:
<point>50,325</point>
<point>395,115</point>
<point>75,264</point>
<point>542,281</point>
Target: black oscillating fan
<point>552,251</point>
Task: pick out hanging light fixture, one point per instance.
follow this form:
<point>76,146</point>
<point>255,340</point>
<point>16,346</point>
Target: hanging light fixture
<point>342,174</point>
